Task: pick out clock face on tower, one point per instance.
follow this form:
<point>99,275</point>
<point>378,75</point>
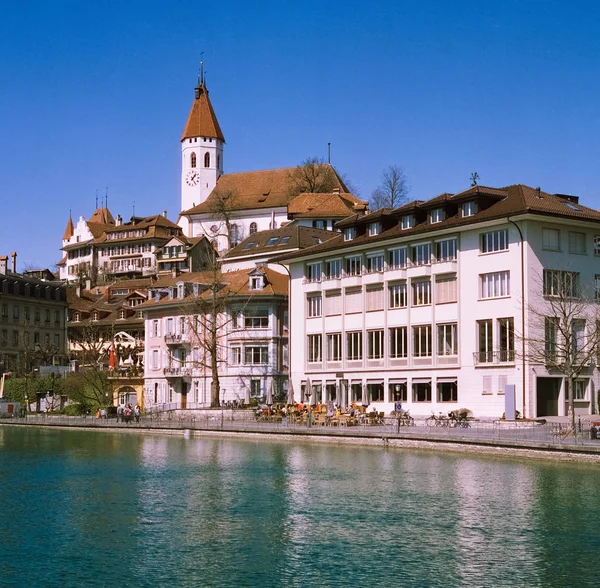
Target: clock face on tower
<point>192,177</point>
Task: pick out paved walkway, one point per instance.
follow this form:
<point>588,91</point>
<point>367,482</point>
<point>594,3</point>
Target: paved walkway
<point>554,436</point>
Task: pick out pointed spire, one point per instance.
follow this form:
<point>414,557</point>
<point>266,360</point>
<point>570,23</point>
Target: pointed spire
<point>69,231</point>
<point>202,120</point>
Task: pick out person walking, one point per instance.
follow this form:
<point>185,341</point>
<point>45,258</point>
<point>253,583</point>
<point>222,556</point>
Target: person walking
<point>136,413</point>
<point>120,409</point>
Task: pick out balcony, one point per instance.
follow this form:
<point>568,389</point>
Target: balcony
<point>489,358</point>
<point>177,338</point>
<point>177,372</point>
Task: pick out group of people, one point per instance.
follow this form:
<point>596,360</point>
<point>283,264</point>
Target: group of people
<point>126,413</point>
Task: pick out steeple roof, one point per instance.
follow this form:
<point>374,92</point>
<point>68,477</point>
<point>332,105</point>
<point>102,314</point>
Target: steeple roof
<point>69,231</point>
<point>103,216</point>
<point>202,120</point>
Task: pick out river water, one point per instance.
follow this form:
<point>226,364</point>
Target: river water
<point>81,508</point>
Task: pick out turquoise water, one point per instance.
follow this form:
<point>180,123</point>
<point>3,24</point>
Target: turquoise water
<point>115,509</point>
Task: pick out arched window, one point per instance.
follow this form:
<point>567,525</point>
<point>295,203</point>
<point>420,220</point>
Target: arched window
<point>193,159</point>
<point>253,228</point>
<point>234,235</point>
<point>207,159</point>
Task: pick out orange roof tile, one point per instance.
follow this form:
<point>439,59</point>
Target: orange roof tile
<point>69,231</point>
<point>102,216</point>
<point>309,205</point>
<point>202,120</point>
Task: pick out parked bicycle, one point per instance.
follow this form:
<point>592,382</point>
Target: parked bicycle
<point>438,420</point>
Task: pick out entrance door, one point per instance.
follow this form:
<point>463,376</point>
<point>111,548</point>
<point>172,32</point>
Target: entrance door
<point>184,391</point>
<point>548,390</point>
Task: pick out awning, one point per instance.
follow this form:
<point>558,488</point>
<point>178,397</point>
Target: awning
<point>447,380</point>
<point>421,380</point>
<point>380,382</point>
<point>397,381</point>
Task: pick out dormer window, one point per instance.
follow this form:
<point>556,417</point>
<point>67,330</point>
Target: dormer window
<point>140,314</point>
<point>349,234</point>
<point>374,229</point>
<point>469,208</point>
<point>180,291</point>
<point>437,215</point>
<point>256,283</point>
<point>122,314</point>
<point>407,222</point>
<point>76,317</point>
<point>95,315</point>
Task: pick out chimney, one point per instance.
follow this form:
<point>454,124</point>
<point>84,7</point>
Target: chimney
<point>88,284</point>
<point>119,220</point>
<point>165,213</point>
<point>3,263</point>
<point>13,255</point>
<point>175,271</point>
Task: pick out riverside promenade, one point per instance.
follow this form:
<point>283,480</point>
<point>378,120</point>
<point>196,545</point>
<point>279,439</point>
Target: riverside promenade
<point>549,439</point>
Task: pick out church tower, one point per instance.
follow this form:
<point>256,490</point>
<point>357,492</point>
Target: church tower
<point>201,150</point>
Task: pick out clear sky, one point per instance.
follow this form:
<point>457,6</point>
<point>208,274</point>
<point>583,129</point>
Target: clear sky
<point>94,95</point>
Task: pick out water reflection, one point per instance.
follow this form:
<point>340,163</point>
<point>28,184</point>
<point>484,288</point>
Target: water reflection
<point>165,511</point>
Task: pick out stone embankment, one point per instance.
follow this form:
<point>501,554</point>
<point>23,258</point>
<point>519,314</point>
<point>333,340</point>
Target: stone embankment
<point>535,439</point>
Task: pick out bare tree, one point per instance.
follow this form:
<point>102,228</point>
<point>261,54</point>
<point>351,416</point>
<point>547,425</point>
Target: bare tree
<point>392,190</point>
<point>223,207</point>
<point>564,332</point>
<point>313,175</point>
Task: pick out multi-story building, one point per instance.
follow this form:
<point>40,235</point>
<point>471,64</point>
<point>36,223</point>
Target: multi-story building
<point>438,303</point>
<point>103,249</point>
<point>32,320</point>
<point>251,343</point>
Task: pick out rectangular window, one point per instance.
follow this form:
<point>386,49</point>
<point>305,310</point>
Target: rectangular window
<point>16,311</point>
<point>445,250</point>
<point>494,241</point>
<point>333,269</point>
<point>397,258</point>
<point>374,229</point>
<point>596,245</point>
<point>578,338</point>
<point>333,302</point>
<point>447,339</point>
<point>506,336</point>
<point>334,347</point>
<point>421,293</point>
<point>398,296</point>
<point>15,338</point>
<point>561,283</point>
<point>313,272</point>
<point>315,348</point>
<point>155,359</point>
<point>485,339</point>
<point>155,328</point>
<point>422,341</point>
<point>421,391</point>
<point>407,221</point>
<point>551,239</point>
<point>437,215</point>
<point>375,263</point>
<point>445,289</point>
<point>469,208</point>
<point>447,391</point>
<point>354,265</point>
<point>577,243</point>
<point>354,345</point>
<point>259,319</point>
<point>255,388</point>
<point>495,285</point>
<point>398,342</point>
<point>421,254</point>
<point>256,355</point>
<point>353,300</point>
<point>597,286</point>
<point>374,297</point>
<point>236,355</point>
<point>550,338</point>
<point>349,234</point>
<point>375,344</point>
<point>314,306</point>
<point>579,389</point>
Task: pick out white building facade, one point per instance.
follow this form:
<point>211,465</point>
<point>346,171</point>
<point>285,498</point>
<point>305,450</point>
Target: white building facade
<point>431,304</point>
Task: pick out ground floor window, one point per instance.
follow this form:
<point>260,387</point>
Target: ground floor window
<point>330,392</point>
<point>255,388</point>
<point>579,388</point>
<point>356,393</point>
<point>421,391</point>
<point>375,392</point>
<point>447,391</point>
<point>398,392</point>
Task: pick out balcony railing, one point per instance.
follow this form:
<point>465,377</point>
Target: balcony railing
<point>176,338</point>
<point>493,357</point>
<point>177,372</point>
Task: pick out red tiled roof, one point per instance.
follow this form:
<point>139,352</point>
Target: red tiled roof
<point>69,231</point>
<point>328,205</point>
<point>102,216</point>
<point>202,120</point>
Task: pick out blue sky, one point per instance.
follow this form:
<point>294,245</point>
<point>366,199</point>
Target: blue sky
<point>95,96</point>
